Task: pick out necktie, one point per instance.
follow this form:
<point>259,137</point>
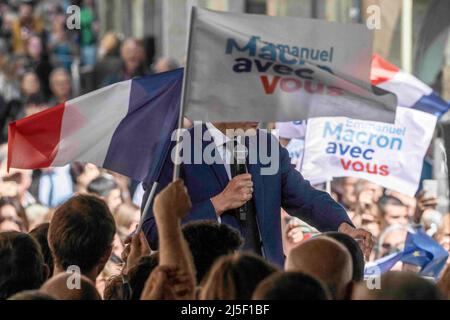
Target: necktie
<point>246,214</point>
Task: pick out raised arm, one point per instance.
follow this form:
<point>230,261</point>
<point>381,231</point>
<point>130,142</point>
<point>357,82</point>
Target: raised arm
<point>170,206</point>
<point>316,207</point>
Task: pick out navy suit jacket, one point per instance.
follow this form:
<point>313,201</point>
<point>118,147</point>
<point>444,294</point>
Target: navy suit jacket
<point>286,188</point>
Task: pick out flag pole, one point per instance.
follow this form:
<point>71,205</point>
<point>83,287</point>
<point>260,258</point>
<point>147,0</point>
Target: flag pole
<point>147,205</point>
<point>176,167</point>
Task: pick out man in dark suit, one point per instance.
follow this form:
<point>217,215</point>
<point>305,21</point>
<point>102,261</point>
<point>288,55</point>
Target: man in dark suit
<point>249,200</point>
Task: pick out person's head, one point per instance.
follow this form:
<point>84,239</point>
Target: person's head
<point>81,234</point>
<point>30,83</point>
<point>209,240</point>
<point>34,47</point>
<point>84,174</point>
<point>139,273</point>
<point>355,251</point>
<point>131,54</point>
<point>34,103</point>
<point>108,44</point>
<point>371,219</point>
<point>40,234</point>
<point>12,210</point>
<point>60,84</point>
<point>327,260</point>
<point>399,285</point>
<point>21,264</point>
<point>107,189</point>
<point>345,189</point>
<point>235,277</point>
<point>22,179</point>
<point>111,269</point>
<point>290,286</point>
<point>392,240</point>
<point>443,234</point>
<point>164,64</point>
<point>32,295</point>
<point>114,288</point>
<point>393,210</point>
<point>127,216</point>
<point>26,9</point>
<point>248,127</point>
<point>369,188</point>
<point>409,202</point>
<point>64,287</point>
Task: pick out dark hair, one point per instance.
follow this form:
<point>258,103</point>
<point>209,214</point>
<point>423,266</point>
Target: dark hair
<point>36,99</point>
<point>80,232</point>
<point>388,200</point>
<point>12,201</point>
<point>235,277</point>
<point>138,274</point>
<point>32,295</point>
<point>291,286</point>
<point>21,263</point>
<point>40,234</point>
<point>113,288</point>
<point>102,186</point>
<point>404,285</point>
<point>355,251</point>
<point>209,240</point>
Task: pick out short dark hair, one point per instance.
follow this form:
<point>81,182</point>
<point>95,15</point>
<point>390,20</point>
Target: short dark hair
<point>21,263</point>
<point>291,286</point>
<point>35,99</point>
<point>235,277</point>
<point>102,186</point>
<point>31,295</point>
<point>138,274</point>
<point>388,200</point>
<point>404,285</point>
<point>14,202</point>
<point>355,251</point>
<point>80,232</point>
<point>209,240</point>
<point>40,234</point>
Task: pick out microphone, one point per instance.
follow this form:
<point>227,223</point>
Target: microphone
<point>241,168</point>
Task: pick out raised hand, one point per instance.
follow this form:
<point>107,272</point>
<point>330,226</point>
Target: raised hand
<point>422,205</point>
<point>172,202</point>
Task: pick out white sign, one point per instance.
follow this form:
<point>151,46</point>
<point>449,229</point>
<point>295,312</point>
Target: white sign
<point>386,154</point>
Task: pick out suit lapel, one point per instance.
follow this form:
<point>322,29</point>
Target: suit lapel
<point>217,168</point>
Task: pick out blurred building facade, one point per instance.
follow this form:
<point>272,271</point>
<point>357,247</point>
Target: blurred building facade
<point>166,22</point>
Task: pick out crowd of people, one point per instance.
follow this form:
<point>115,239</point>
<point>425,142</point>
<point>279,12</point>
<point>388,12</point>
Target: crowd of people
<point>58,222</point>
<point>77,257</point>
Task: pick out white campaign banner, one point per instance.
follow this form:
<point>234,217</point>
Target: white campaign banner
<point>244,67</point>
<point>390,155</point>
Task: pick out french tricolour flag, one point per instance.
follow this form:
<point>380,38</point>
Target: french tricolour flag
<point>410,91</point>
<point>124,127</point>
